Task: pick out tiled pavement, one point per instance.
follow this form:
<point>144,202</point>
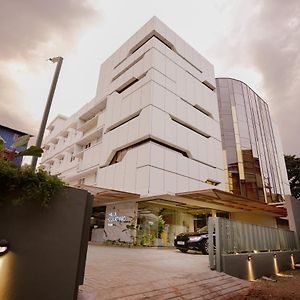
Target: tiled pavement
<point>147,273</point>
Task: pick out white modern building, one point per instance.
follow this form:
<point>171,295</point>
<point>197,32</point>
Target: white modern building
<point>153,126</point>
<point>148,146</point>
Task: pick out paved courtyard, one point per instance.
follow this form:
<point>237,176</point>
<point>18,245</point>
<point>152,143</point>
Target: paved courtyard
<point>151,273</point>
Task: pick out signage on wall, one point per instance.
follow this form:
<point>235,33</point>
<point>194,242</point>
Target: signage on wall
<point>113,217</point>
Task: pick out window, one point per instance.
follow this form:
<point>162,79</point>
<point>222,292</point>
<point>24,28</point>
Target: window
<point>88,145</point>
<point>60,160</point>
<point>98,216</point>
<point>119,155</point>
<point>212,182</point>
<point>127,85</point>
<point>81,180</point>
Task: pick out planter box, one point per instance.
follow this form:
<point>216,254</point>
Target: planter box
<point>260,264</point>
<point>48,246</point>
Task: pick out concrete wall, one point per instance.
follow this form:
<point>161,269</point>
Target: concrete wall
<point>261,264</point>
<point>48,247</point>
<point>293,210</point>
<point>252,218</point>
<point>97,235</point>
<point>117,219</point>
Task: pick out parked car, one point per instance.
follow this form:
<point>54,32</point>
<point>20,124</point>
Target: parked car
<point>193,241</point>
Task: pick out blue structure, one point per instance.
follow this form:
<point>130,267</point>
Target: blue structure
<point>10,135</point>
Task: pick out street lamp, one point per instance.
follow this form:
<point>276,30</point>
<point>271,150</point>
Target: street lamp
<point>39,139</point>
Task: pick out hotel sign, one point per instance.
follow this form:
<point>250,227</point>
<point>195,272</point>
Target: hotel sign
<point>113,217</point>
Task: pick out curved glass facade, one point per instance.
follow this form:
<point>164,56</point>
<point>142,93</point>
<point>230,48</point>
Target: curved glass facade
<point>250,150</point>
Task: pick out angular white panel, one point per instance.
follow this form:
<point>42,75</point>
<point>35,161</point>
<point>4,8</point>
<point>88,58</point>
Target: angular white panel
<point>154,118</point>
<point>156,156</point>
<point>182,184</point>
<point>194,185</point>
<point>182,165</point>
<point>170,182</point>
<point>143,180</point>
<point>156,186</point>
<point>170,161</point>
<point>143,155</point>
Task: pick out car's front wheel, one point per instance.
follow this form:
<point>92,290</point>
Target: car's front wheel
<point>204,246</point>
<point>184,250</point>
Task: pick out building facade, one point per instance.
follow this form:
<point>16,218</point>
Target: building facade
<point>153,126</point>
<point>148,146</point>
<point>9,135</point>
<point>254,161</point>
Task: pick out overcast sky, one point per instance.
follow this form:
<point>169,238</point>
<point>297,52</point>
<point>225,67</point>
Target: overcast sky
<point>255,41</point>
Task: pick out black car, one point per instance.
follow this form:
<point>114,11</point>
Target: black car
<point>192,241</point>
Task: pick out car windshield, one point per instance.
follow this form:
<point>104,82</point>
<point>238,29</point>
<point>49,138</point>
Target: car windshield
<point>203,229</point>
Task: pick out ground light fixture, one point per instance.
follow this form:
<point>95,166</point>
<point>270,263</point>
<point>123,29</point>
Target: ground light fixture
<point>250,269</point>
<point>4,245</point>
<point>292,261</point>
<point>276,269</point>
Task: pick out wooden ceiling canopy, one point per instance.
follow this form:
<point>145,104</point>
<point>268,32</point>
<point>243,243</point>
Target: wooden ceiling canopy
<point>230,200</point>
<point>107,195</point>
<point>210,196</point>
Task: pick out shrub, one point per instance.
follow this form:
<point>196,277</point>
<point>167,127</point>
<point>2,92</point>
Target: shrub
<point>20,185</point>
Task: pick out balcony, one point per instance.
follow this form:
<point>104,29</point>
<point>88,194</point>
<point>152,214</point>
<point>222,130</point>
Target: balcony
<point>90,136</point>
<point>89,124</point>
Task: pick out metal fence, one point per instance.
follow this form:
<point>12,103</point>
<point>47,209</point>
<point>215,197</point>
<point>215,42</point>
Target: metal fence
<point>228,237</point>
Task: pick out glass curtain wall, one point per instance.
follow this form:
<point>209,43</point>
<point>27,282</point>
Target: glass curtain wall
<point>248,142</point>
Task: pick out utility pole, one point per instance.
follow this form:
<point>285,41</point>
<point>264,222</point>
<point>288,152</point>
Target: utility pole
<point>39,139</point>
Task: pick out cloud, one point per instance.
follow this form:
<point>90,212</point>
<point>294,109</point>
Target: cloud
<point>261,46</point>
<point>28,25</point>
<point>270,42</point>
<point>10,113</point>
<point>28,31</point>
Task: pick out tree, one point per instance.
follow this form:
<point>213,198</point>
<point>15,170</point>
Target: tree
<point>293,169</point>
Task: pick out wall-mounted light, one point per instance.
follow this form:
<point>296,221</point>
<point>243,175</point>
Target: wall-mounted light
<point>4,245</point>
<point>249,257</point>
<point>275,256</point>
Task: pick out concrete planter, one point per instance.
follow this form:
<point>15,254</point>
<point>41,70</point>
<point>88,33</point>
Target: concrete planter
<point>251,266</point>
<point>48,246</point>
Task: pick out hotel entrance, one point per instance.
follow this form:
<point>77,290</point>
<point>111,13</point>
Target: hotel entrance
<point>160,221</point>
<point>127,218</point>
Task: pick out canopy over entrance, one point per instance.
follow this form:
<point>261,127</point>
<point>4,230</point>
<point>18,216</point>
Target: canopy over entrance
<point>102,196</point>
<point>230,201</point>
<point>211,198</point>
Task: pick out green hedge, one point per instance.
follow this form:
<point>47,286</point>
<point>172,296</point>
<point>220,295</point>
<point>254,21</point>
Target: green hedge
<point>19,185</point>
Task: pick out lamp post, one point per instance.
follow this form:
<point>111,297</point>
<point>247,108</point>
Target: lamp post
<point>39,139</point>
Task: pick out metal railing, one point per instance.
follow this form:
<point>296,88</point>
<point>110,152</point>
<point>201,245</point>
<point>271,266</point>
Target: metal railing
<point>231,237</point>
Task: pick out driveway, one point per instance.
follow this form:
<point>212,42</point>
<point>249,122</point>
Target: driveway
<point>139,273</point>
